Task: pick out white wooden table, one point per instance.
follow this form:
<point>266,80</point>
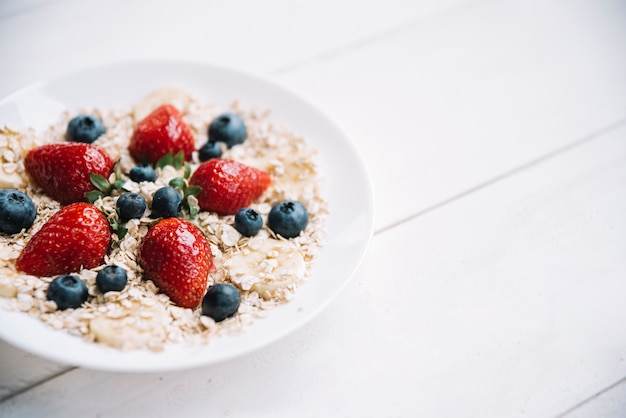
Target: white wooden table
<point>495,134</point>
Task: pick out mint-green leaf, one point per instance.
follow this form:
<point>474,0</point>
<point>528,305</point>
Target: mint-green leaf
<point>177,183</point>
<point>187,171</point>
<point>100,182</point>
<point>178,160</point>
<point>167,159</point>
<point>118,171</point>
<point>93,195</point>
<point>192,191</point>
<point>121,232</point>
<point>119,184</point>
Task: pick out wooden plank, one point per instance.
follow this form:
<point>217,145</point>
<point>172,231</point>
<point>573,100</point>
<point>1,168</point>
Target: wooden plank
<point>510,305</point>
<point>455,100</point>
<point>20,370</point>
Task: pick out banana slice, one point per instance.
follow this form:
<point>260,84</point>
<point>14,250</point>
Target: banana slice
<point>269,268</point>
<point>293,178</point>
<point>7,288</point>
<point>135,329</point>
<point>176,96</point>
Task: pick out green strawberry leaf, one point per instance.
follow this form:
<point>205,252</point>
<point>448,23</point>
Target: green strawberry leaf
<point>178,160</point>
<point>177,183</point>
<point>167,159</point>
<point>118,170</point>
<point>121,232</point>
<point>93,195</point>
<point>187,171</point>
<point>119,184</point>
<point>100,182</point>
<point>192,191</point>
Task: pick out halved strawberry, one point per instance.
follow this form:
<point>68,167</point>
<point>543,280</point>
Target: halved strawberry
<point>76,237</point>
<point>62,169</point>
<point>228,185</point>
<point>161,132</point>
<point>176,256</point>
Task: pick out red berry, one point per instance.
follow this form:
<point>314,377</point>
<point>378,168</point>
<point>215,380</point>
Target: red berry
<point>76,237</point>
<point>161,132</point>
<point>176,256</point>
<point>62,169</point>
<point>228,185</point>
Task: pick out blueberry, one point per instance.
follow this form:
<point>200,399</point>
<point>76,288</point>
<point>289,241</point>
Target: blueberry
<point>68,291</point>
<point>130,206</point>
<point>228,128</point>
<point>142,172</point>
<point>84,128</point>
<point>111,278</point>
<point>166,203</point>
<point>221,301</point>
<point>210,150</point>
<point>248,222</point>
<point>17,211</point>
<point>288,218</point>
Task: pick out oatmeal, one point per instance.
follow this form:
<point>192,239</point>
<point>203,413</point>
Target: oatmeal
<point>266,268</point>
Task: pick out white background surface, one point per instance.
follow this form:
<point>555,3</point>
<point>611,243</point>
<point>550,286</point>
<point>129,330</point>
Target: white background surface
<point>495,134</point>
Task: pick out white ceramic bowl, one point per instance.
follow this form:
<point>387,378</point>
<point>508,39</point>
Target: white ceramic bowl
<point>347,186</point>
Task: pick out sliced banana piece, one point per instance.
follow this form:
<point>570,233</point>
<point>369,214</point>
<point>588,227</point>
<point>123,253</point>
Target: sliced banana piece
<point>176,96</point>
<point>135,329</point>
<point>7,288</point>
<point>292,179</point>
<point>269,268</point>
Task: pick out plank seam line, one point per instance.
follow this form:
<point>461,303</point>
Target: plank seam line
<point>36,384</point>
<point>510,173</point>
<point>377,37</point>
<point>591,398</point>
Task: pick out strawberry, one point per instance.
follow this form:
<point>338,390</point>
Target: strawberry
<point>228,185</point>
<point>161,132</point>
<point>76,237</point>
<point>176,256</point>
<point>62,169</point>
